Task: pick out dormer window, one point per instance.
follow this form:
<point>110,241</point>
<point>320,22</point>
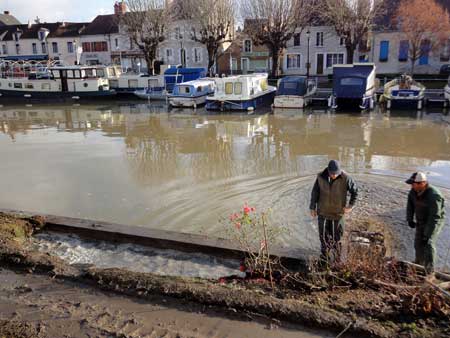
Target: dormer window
<point>17,35</point>
<point>41,35</point>
<point>247,46</point>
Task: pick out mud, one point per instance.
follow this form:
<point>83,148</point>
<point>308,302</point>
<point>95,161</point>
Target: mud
<point>362,312</point>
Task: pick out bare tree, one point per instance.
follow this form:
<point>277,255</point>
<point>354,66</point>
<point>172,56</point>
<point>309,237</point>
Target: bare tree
<point>352,20</point>
<point>274,22</point>
<point>425,26</point>
<point>145,23</point>
<point>213,24</point>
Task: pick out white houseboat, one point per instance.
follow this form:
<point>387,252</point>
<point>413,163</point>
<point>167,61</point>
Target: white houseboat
<point>57,82</point>
<point>403,92</point>
<point>294,92</point>
<point>241,92</point>
<point>191,93</point>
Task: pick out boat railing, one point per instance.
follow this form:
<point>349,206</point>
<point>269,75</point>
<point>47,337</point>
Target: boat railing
<point>22,69</point>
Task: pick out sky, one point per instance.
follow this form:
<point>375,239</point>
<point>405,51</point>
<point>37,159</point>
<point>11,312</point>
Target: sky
<point>57,10</point>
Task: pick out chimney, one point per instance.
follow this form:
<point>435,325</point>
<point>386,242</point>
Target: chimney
<point>6,12</point>
<point>120,8</point>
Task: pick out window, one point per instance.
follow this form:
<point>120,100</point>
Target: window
<point>352,81</point>
<point>335,59</point>
<point>293,61</point>
<point>445,51</point>
<point>342,41</point>
<point>297,39</point>
<point>17,49</point>
<point>41,35</point>
<point>116,42</point>
<point>178,33</point>
<point>384,51</point>
<point>44,48</point>
<point>55,47</point>
<point>403,51</point>
<point>185,90</point>
<point>69,47</point>
<point>197,55</point>
<point>233,64</point>
<point>228,88</point>
<point>45,86</point>
<point>17,36</point>
<point>29,85</point>
<point>247,46</point>
<point>17,85</point>
<point>158,54</point>
<point>131,44</point>
<point>86,47</point>
<point>132,83</point>
<point>319,39</point>
<point>424,52</point>
<point>238,88</point>
<point>169,55</point>
<point>34,47</point>
<point>5,49</point>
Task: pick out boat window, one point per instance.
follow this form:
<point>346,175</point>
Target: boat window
<point>153,83</point>
<point>56,74</point>
<point>184,90</point>
<point>10,84</point>
<point>17,85</point>
<point>29,85</point>
<point>114,83</point>
<point>132,83</point>
<point>70,74</point>
<point>90,73</point>
<point>228,87</point>
<point>264,84</point>
<point>45,86</point>
<point>238,88</point>
<point>352,81</point>
<point>199,89</point>
<point>101,72</point>
<point>112,71</point>
<point>77,74</point>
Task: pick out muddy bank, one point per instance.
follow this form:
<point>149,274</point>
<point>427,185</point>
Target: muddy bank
<point>359,310</point>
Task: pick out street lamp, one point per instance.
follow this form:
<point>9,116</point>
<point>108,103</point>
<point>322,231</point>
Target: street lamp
<point>308,64</point>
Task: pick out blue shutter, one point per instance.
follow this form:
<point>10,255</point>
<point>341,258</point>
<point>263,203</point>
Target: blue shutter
<point>403,50</point>
<point>384,51</point>
<point>424,51</point>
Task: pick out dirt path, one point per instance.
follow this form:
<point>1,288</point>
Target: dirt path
<point>51,308</point>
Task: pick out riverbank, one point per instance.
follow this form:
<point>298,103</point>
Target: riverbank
<point>364,309</point>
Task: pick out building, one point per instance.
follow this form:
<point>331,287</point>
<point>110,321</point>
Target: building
<point>320,45</point>
<point>244,56</point>
<point>42,41</point>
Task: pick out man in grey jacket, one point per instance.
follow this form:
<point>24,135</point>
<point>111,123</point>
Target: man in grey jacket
<point>329,203</point>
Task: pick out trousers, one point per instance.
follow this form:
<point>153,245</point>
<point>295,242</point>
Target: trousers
<point>330,234</point>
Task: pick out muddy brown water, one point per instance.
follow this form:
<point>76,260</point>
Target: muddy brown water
<point>143,164</point>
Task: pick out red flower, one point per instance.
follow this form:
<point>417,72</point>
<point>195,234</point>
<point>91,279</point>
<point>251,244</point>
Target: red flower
<point>246,210</point>
<point>242,268</point>
<point>237,225</point>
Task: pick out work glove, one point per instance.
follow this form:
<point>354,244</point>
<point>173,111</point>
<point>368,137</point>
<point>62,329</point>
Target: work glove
<point>412,224</point>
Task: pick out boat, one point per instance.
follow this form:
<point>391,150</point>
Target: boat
<point>128,83</point>
<point>241,92</point>
<point>159,88</point>
<point>403,92</point>
<point>32,81</point>
<point>191,93</point>
<point>354,86</point>
<point>294,92</point>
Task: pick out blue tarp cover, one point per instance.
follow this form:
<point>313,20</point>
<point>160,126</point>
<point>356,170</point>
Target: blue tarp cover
<point>25,57</point>
<point>351,82</point>
<point>184,75</point>
<point>292,85</point>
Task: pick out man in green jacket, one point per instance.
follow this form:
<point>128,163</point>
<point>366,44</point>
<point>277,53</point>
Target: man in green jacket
<point>329,203</point>
<point>426,203</point>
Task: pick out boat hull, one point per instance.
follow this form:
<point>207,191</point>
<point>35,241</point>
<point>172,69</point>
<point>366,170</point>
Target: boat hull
<point>179,101</point>
<point>250,104</point>
<point>55,95</point>
<point>403,103</point>
<point>290,101</point>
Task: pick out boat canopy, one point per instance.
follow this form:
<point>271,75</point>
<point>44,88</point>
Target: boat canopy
<point>194,88</point>
<point>179,75</point>
<point>292,85</point>
<point>352,81</point>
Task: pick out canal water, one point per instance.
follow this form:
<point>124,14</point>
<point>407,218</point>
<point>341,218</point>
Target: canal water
<point>183,170</point>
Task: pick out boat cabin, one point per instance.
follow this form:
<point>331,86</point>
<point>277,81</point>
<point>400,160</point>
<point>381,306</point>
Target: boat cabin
<point>194,88</point>
<point>173,75</point>
<point>353,81</point>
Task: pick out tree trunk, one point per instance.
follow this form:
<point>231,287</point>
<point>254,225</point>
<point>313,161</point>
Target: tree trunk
<point>413,63</point>
<point>350,54</point>
<point>275,60</point>
<point>149,56</point>
<point>211,59</point>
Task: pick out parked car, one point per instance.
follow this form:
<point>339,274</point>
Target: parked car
<point>445,69</point>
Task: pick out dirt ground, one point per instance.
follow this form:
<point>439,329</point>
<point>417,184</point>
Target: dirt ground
<point>42,296</point>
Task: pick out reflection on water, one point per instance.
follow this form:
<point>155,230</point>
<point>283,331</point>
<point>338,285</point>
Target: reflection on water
<point>183,169</point>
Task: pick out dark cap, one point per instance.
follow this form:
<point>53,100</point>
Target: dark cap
<point>416,178</point>
<point>334,168</point>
